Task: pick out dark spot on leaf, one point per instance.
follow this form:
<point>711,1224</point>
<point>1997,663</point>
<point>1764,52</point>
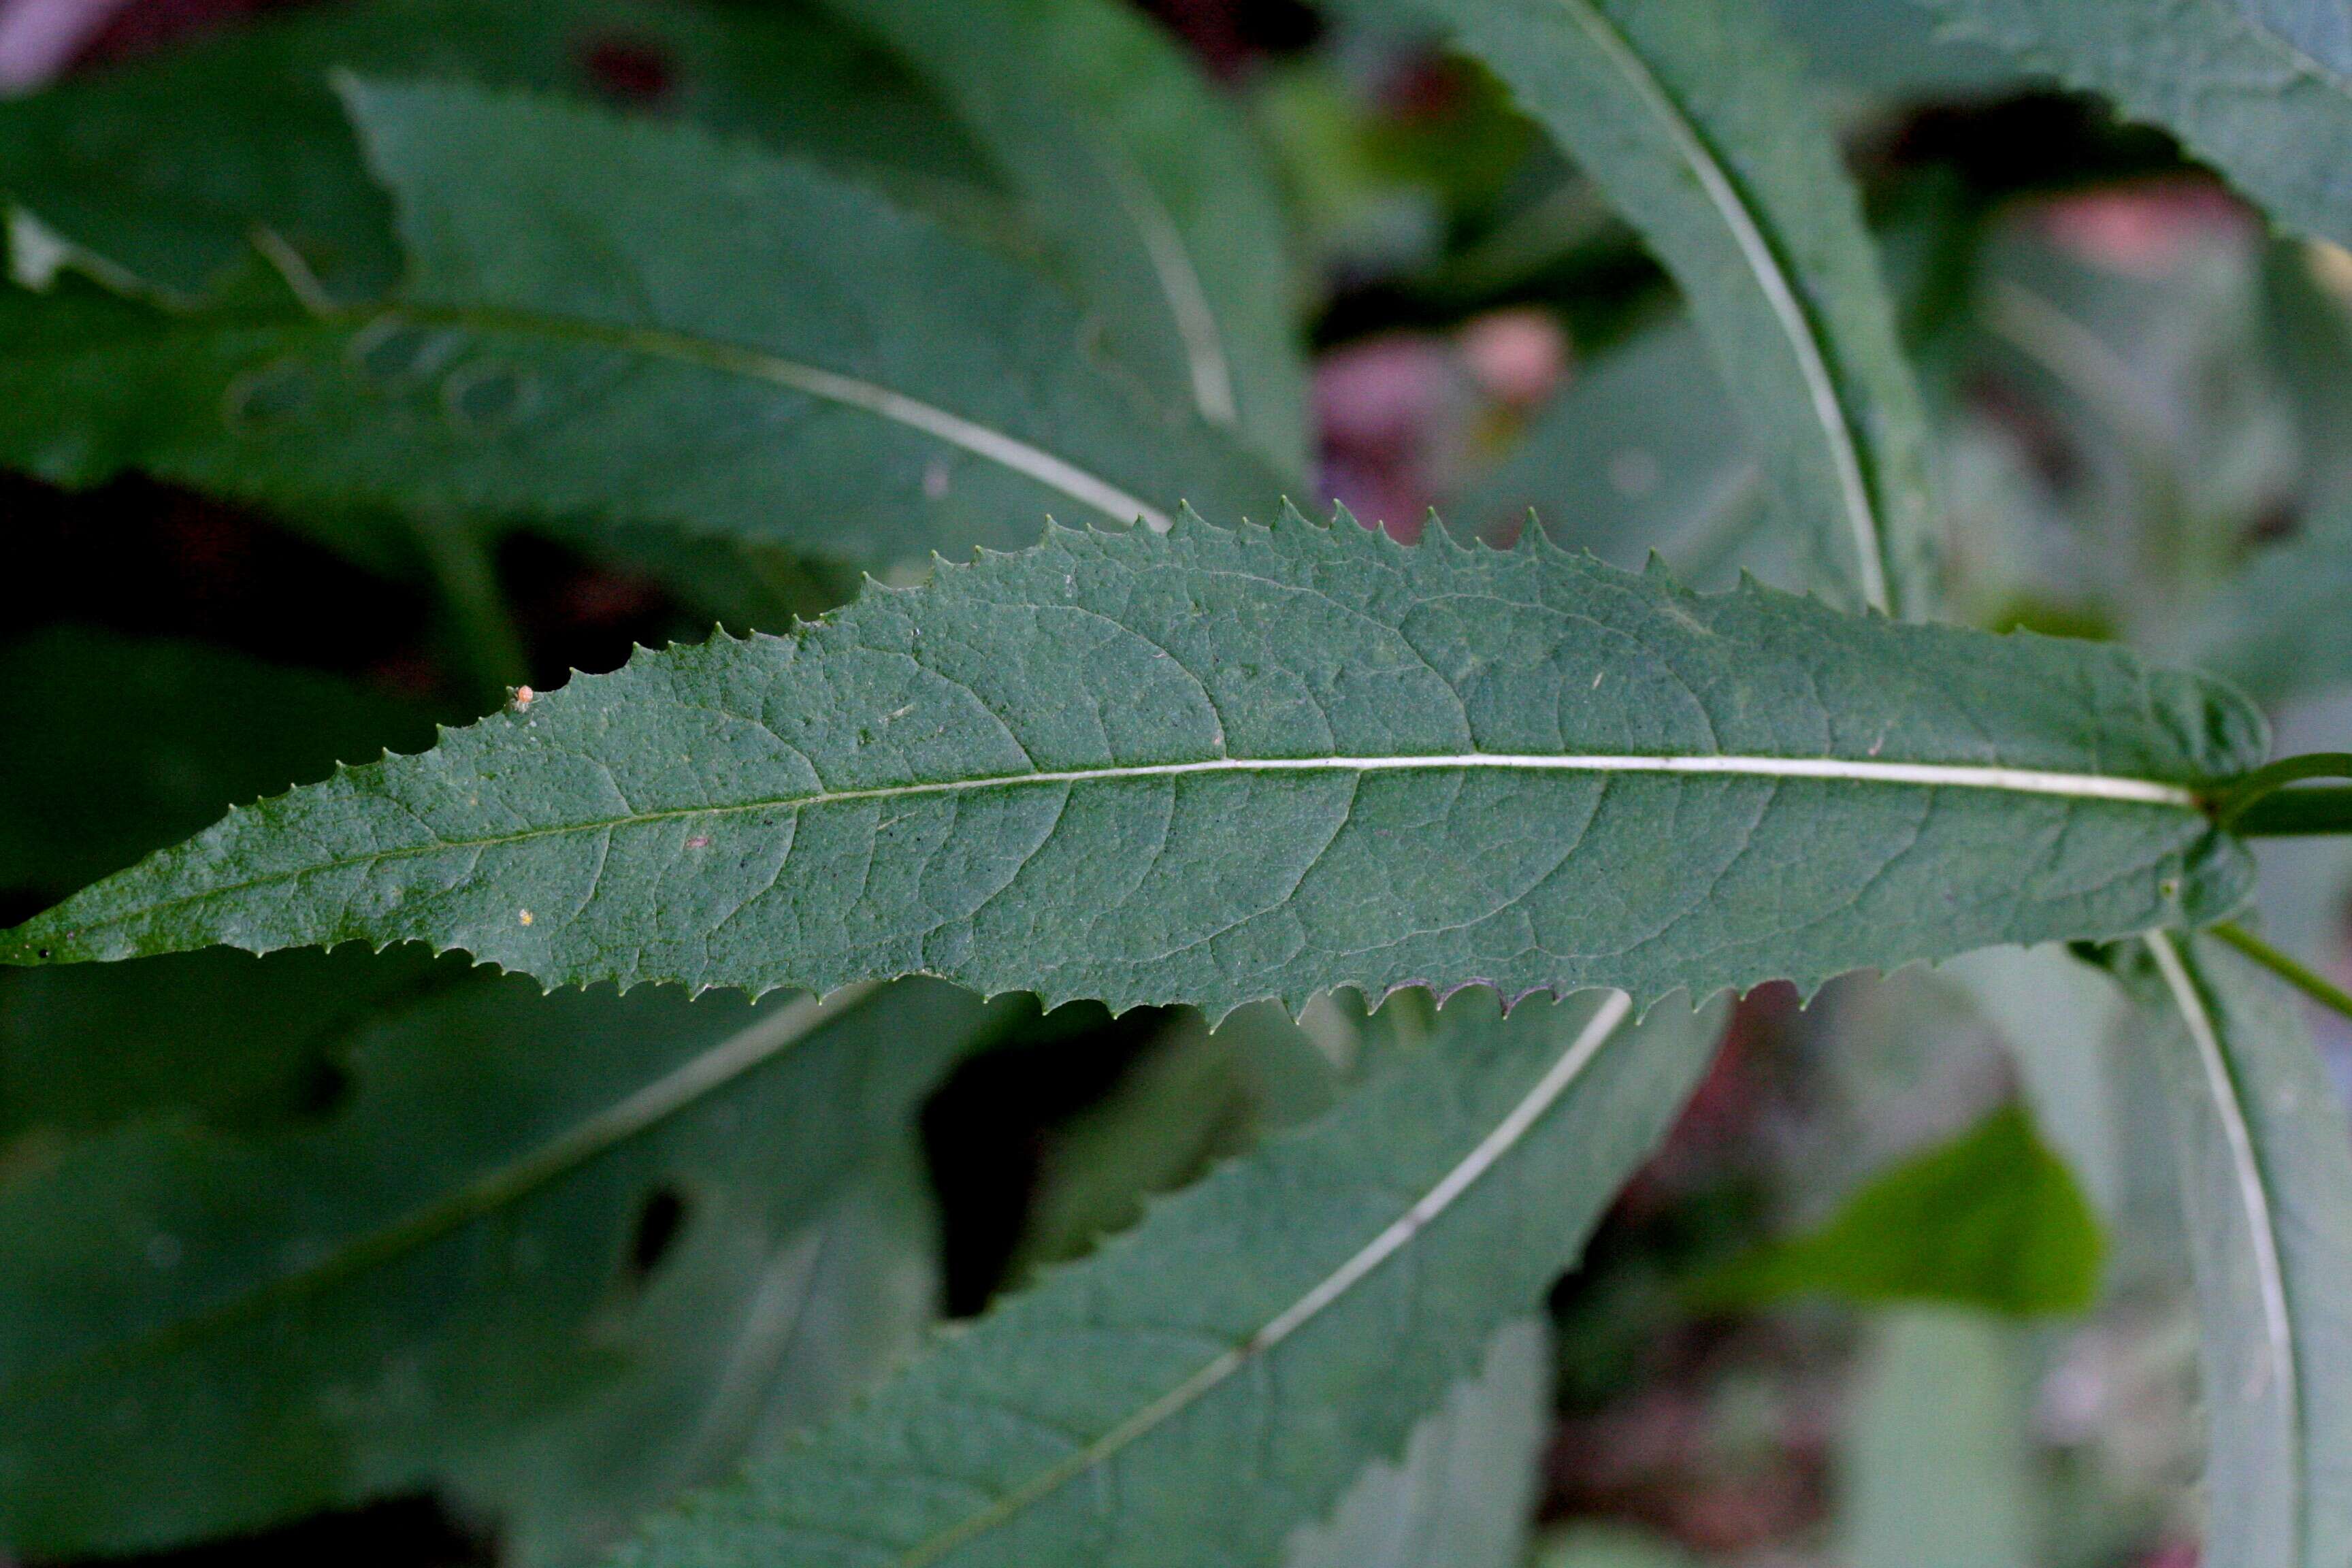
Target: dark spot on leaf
<point>660,1221</point>
<point>272,395</point>
<point>484,395</point>
<point>632,70</point>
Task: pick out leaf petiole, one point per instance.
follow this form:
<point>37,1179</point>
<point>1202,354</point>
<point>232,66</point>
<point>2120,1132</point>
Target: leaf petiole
<point>2308,981</point>
<point>2260,806</point>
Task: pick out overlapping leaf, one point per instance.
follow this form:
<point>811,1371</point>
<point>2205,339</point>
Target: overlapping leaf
<point>1197,1389</point>
<point>163,168</point>
<point>2265,1167</point>
<point>1696,118</point>
<point>1213,767</point>
<point>561,1257</point>
<point>627,322</point>
<point>2260,88</point>
<point>1142,183</point>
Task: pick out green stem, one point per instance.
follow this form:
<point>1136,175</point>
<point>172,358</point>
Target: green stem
<point>2311,983</point>
<point>2295,814</point>
<point>2233,805</point>
<point>489,648</point>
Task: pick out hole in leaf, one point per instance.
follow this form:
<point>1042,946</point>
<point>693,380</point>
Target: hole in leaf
<point>275,396</point>
<point>661,1221</point>
<point>481,398</point>
<point>397,353</point>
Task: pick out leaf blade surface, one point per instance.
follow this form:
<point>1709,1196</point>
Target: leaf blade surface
<point>1214,767</point>
<point>1694,117</point>
<point>1301,1306</point>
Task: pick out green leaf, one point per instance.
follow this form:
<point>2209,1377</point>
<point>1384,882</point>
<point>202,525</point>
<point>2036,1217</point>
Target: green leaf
<point>118,746</point>
<point>2265,1168</point>
<point>1195,1390</point>
<point>163,168</point>
<point>1990,1220</point>
<point>1216,767</point>
<point>1143,182</point>
<point>247,1043</point>
<point>1640,452</point>
<point>623,323</point>
<point>557,1256</point>
<point>1696,120</point>
<point>2262,89</point>
<point>2282,629</point>
<point>1936,1466</point>
<point>1463,1493</point>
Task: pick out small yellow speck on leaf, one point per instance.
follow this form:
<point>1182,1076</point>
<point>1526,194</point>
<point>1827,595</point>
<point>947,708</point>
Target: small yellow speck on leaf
<point>525,917</point>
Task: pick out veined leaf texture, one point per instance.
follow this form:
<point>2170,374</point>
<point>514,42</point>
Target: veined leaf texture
<point>1215,766</point>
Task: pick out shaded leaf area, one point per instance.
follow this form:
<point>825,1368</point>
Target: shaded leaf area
<point>254,1045</point>
<point>2265,1168</point>
<point>117,746</point>
<point>1144,186</point>
<point>1696,120</point>
<point>1640,452</point>
<point>1938,1467</point>
<point>556,1258</point>
<point>162,169</point>
<point>2278,629</point>
<point>1991,1220</point>
<point>2256,88</point>
<point>1462,1492</point>
<point>1293,1315</point>
<point>607,322</point>
<point>1217,767</point>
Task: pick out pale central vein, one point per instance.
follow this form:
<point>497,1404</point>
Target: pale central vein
<point>2254,1195</point>
<point>1499,1141</point>
<point>732,359</point>
<point>600,1131</point>
<point>1779,296</point>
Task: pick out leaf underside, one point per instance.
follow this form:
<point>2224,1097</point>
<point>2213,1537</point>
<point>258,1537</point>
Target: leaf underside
<point>2265,1172</point>
<point>1696,120</point>
<point>1201,1386</point>
<point>1214,767</point>
<point>2261,90</point>
<point>624,323</point>
<point>445,1284</point>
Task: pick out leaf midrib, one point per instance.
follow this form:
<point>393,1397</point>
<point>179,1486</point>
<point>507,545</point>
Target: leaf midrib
<point>1550,1088</point>
<point>2106,788</point>
<point>1764,263</point>
<point>595,1133</point>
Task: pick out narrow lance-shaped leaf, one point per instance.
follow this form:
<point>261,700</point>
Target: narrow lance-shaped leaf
<point>1145,185</point>
<point>163,168</point>
<point>1214,767</point>
<point>2260,88</point>
<point>557,1256</point>
<point>1293,1316</point>
<point>2265,1167</point>
<point>627,322</point>
<point>1696,118</point>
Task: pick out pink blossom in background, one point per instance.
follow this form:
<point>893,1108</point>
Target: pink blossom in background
<point>38,38</point>
<point>2149,229</point>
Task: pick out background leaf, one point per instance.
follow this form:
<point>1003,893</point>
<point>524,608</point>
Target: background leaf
<point>119,745</point>
<point>1145,185</point>
<point>1285,1312</point>
<point>2265,1166</point>
<point>1462,1493</point>
<point>1137,768</point>
<point>630,323</point>
<point>1695,117</point>
<point>534,1260</point>
<point>164,167</point>
<point>1991,1220</point>
<point>2256,88</point>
